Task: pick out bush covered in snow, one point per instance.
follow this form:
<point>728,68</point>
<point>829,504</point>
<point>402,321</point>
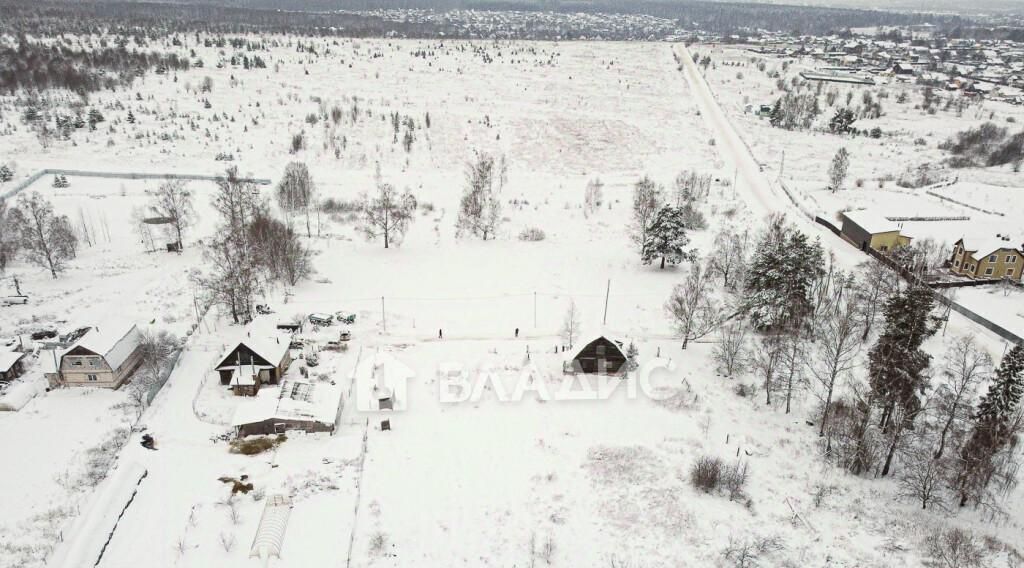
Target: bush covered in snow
<point>532,234</point>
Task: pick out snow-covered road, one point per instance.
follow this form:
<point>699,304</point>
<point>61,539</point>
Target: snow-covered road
<point>757,191</point>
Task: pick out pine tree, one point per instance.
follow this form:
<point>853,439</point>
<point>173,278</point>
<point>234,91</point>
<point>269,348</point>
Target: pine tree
<point>775,118</point>
<point>666,238</point>
<point>781,277</point>
<point>992,425</point>
<point>842,121</point>
<point>6,174</point>
<point>95,117</point>
<point>897,364</point>
<point>131,118</point>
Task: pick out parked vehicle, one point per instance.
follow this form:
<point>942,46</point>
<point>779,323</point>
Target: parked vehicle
<point>43,334</point>
<point>345,336</point>
<point>297,343</point>
<point>321,319</point>
<point>312,360</point>
<point>345,318</point>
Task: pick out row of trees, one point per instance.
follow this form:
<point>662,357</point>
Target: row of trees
<point>250,249</point>
<point>39,66</point>
<point>660,223</point>
<point>801,325</point>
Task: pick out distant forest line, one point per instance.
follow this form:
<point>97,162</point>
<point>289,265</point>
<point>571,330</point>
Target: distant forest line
<point>337,17</point>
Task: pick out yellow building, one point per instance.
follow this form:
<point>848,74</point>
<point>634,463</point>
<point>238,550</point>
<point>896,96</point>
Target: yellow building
<point>993,257</point>
<point>867,229</point>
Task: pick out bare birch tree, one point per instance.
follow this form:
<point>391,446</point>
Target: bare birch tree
<point>730,255</point>
<point>875,284</point>
<point>767,360</point>
<point>387,213</point>
<point>731,351</point>
<point>571,324</point>
<point>647,200</point>
<point>480,206</point>
<point>45,239</point>
<point>837,345</point>
<point>296,192</point>
<point>174,202</point>
<point>964,367</point>
<point>693,310</point>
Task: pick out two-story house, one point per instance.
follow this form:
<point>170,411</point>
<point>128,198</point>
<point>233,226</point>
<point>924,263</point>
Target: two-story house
<point>103,357</point>
<point>992,258</point>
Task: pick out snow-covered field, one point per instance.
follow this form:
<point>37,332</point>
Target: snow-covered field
<point>585,483</point>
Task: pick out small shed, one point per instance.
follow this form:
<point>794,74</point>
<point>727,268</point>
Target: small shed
<point>11,365</point>
<point>866,229</point>
<point>297,404</point>
<point>601,356</point>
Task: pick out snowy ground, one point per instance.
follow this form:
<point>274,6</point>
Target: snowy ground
<point>468,484</point>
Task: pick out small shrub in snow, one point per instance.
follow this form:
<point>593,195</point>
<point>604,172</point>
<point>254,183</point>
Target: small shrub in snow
<point>747,553</point>
<point>378,543</point>
<point>298,142</point>
<point>820,492</point>
<point>706,474</point>
<point>954,548</point>
<point>532,234</point>
<point>744,390</point>
<point>734,479</point>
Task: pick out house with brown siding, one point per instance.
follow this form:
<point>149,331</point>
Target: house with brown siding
<point>989,258</point>
<point>253,362</point>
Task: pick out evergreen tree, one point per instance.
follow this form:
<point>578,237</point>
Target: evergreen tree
<point>993,425</point>
<point>839,168</point>
<point>6,174</point>
<point>666,238</point>
<point>781,277</point>
<point>775,118</point>
<point>95,117</point>
<point>131,118</point>
<point>842,121</point>
<point>897,364</point>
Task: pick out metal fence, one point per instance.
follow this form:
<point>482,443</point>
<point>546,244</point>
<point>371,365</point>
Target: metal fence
<point>20,186</point>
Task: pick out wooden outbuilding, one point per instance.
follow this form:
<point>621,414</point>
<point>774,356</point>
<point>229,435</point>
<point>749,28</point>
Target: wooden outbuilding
<point>601,356</point>
<point>253,362</point>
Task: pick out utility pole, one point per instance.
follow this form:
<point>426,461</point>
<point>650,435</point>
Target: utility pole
<point>607,292</point>
<point>383,316</point>
<point>782,166</point>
